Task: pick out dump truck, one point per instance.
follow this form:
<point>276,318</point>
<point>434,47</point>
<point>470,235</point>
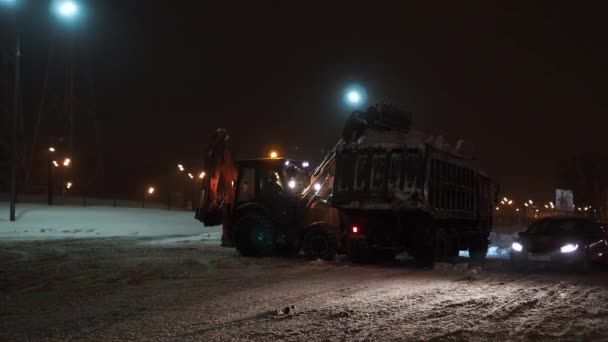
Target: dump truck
<point>398,190</point>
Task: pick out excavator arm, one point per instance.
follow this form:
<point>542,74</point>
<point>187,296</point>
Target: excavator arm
<point>218,191</point>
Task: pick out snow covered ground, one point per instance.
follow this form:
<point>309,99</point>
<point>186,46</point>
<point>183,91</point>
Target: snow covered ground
<point>37,221</point>
<point>119,289</point>
<point>116,274</point>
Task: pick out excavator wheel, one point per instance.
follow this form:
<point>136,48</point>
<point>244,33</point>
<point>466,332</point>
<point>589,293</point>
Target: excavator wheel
<point>254,235</point>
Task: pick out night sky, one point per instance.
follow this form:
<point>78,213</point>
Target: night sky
<point>526,84</point>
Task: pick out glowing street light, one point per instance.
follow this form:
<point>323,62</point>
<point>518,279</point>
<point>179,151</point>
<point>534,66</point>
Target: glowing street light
<point>530,201</point>
<point>526,204</point>
<point>201,175</point>
<point>67,162</point>
<point>354,96</point>
<point>68,185</point>
<point>51,149</point>
<point>151,190</point>
<point>510,202</point>
<point>190,175</point>
<point>66,9</point>
<point>274,154</point>
<point>180,167</point>
<point>305,164</point>
<point>55,163</point>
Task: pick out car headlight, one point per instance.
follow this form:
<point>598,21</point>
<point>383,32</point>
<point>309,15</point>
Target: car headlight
<point>569,248</point>
<point>517,247</point>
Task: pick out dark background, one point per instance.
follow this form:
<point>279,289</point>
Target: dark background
<point>525,82</point>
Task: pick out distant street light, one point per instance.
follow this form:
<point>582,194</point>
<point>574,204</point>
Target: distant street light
<point>180,167</point>
<point>51,149</point>
<point>149,192</point>
<point>201,175</point>
<point>190,175</point>
<point>274,154</point>
<point>68,185</point>
<point>55,163</point>
<point>67,162</point>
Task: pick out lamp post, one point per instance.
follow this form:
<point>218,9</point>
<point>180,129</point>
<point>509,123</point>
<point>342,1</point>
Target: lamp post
<point>66,9</point>
<point>149,192</point>
<point>13,139</point>
<point>50,176</point>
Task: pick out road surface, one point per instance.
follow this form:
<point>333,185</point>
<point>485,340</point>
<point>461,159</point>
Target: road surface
<point>142,289</point>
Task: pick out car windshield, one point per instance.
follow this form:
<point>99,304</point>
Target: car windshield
<point>557,227</point>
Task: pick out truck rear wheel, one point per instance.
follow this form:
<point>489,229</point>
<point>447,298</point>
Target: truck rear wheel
<point>254,235</point>
<point>319,244</point>
<point>358,251</point>
<point>478,250</point>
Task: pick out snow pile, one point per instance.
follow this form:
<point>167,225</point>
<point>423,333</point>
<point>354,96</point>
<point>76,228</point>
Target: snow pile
<point>36,221</point>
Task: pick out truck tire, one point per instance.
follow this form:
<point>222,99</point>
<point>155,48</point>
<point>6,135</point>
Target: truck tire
<point>319,244</point>
<point>445,248</point>
<point>254,235</point>
<point>358,251</point>
<point>478,250</point>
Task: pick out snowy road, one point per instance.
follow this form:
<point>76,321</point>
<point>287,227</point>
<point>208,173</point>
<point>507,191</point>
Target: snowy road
<point>119,289</point>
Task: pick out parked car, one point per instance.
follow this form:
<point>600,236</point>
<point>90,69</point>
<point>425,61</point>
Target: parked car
<point>573,241</point>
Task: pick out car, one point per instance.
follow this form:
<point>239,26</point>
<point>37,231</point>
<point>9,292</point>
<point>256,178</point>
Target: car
<point>573,241</point>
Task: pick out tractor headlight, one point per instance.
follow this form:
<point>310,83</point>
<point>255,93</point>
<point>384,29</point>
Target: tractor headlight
<point>516,246</point>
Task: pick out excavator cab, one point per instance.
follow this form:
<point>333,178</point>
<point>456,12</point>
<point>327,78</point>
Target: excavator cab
<point>268,206</point>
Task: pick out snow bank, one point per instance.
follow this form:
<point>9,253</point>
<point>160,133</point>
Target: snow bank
<point>36,221</point>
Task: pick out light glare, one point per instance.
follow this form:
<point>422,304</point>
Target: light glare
<point>67,9</point>
<point>569,248</point>
<point>517,246</point>
<point>354,97</point>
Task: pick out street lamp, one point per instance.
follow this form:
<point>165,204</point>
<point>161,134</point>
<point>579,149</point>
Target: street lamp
<point>66,162</point>
<point>274,154</point>
<point>50,176</point>
<point>201,175</point>
<point>66,9</point>
<point>355,96</point>
<point>149,192</point>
